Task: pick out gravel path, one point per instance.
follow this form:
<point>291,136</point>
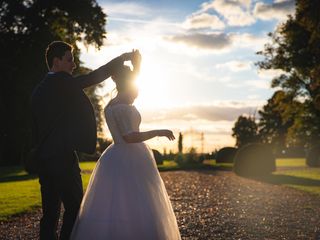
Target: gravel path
<point>220,205</point>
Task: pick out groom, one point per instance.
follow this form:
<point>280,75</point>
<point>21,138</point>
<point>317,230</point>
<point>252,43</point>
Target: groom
<point>64,122</point>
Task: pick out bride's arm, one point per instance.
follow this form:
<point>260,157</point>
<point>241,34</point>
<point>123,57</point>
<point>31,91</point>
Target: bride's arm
<point>136,61</point>
<point>135,137</point>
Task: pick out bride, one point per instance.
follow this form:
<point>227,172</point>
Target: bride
<point>126,197</point>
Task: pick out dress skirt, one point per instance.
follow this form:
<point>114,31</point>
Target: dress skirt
<point>126,198</point>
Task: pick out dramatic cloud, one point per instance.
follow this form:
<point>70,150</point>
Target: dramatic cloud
<point>235,66</point>
<point>213,41</point>
<point>215,112</point>
<point>277,10</point>
<point>203,20</point>
<point>220,41</point>
<point>235,12</point>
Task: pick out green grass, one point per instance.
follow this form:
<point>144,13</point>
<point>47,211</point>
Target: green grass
<point>20,192</point>
<point>305,179</point>
<point>291,162</point>
<point>87,166</point>
<point>168,165</point>
<point>18,196</point>
<point>300,176</point>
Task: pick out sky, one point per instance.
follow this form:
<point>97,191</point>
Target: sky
<point>198,70</point>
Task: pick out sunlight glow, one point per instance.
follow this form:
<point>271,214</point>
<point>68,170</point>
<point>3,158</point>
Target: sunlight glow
<point>153,85</point>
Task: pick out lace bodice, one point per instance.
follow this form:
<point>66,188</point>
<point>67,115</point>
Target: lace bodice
<point>121,120</point>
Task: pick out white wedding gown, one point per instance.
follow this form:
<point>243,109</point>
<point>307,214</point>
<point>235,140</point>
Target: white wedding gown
<point>125,198</point>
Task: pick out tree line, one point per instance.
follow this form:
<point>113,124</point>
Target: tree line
<point>291,117</point>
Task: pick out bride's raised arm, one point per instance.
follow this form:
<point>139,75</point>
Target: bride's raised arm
<point>136,61</point>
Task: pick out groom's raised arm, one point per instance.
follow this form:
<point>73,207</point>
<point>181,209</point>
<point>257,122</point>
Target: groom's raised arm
<point>102,72</point>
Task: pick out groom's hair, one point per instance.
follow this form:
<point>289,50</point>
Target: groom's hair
<point>56,49</point>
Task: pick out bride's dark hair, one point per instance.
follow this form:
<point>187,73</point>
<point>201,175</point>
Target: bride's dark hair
<point>123,78</point>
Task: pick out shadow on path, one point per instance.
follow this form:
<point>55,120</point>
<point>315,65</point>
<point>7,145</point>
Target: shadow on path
<point>195,167</point>
<point>279,179</point>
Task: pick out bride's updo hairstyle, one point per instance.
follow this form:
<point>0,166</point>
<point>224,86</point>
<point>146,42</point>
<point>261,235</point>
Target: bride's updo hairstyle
<point>124,79</point>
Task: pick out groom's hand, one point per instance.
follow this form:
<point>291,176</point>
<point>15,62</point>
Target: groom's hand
<point>134,56</point>
<point>127,56</point>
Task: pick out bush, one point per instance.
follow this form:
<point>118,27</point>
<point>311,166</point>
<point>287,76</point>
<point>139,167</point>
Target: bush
<point>254,159</point>
<point>189,158</point>
<point>179,159</point>
<point>313,156</point>
<point>169,156</point>
<point>157,156</point>
<point>226,155</point>
<point>201,158</point>
<point>103,143</point>
<point>84,157</point>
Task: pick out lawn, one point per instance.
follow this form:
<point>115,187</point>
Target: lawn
<point>20,191</point>
<point>291,162</point>
<point>298,176</point>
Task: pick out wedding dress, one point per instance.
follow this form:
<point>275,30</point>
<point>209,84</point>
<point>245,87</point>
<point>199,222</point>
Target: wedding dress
<point>126,197</point>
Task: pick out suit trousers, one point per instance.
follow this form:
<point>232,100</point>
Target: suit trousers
<point>64,187</point>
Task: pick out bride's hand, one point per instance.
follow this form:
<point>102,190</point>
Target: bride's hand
<point>136,58</point>
<point>166,133</point>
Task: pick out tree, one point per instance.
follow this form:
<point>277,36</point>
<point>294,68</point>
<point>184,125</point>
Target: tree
<point>295,50</point>
<point>26,28</point>
<point>180,143</point>
<point>245,131</point>
<point>305,128</point>
<point>276,117</point>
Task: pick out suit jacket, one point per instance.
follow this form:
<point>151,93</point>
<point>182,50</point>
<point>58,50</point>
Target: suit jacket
<point>58,102</point>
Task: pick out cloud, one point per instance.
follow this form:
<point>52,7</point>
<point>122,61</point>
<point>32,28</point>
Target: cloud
<point>220,111</point>
<point>203,20</point>
<point>262,84</point>
<point>216,134</point>
<point>277,10</point>
<point>212,41</point>
<point>125,9</point>
<point>247,40</point>
<point>235,12</point>
<point>219,41</point>
<point>253,96</point>
<point>235,66</point>
<point>215,120</point>
<point>269,74</point>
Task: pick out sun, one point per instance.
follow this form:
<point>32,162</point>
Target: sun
<point>153,85</point>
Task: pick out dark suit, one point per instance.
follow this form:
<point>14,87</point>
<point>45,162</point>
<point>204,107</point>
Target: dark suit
<point>59,100</point>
